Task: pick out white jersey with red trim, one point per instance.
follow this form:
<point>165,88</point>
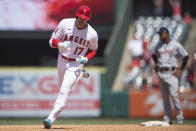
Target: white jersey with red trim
<point>70,69</point>
<point>80,39</point>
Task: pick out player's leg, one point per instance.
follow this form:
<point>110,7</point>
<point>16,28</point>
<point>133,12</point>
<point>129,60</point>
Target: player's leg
<point>71,76</point>
<point>61,66</point>
<point>166,100</point>
<point>174,85</point>
<point>61,71</point>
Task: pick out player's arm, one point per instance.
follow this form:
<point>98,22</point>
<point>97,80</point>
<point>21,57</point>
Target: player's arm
<point>155,59</point>
<point>184,62</point>
<point>91,54</point>
<point>179,70</point>
<point>57,35</point>
<point>183,53</point>
<point>92,51</point>
<point>93,47</point>
<point>53,42</point>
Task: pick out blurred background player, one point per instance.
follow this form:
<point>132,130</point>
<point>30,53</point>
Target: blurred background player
<point>166,57</point>
<point>73,37</point>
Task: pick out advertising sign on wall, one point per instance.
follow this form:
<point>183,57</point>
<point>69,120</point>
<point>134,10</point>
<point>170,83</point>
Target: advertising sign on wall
<point>32,93</point>
<point>46,14</point>
<point>149,104</point>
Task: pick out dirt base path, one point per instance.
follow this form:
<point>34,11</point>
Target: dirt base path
<point>96,128</point>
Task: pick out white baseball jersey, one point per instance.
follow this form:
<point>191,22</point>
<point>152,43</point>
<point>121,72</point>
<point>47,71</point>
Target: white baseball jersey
<point>168,54</point>
<point>70,72</point>
<point>80,39</point>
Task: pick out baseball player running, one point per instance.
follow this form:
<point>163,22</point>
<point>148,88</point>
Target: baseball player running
<point>166,57</point>
<point>73,37</point>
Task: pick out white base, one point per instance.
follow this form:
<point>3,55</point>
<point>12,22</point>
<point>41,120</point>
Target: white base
<point>154,123</point>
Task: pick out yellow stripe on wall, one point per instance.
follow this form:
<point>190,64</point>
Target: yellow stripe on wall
<point>99,69</point>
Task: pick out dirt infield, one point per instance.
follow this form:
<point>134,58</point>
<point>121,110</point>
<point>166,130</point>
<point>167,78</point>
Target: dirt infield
<point>97,128</point>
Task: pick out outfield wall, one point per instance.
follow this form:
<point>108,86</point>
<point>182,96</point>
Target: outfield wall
<point>144,104</point>
<point>31,92</point>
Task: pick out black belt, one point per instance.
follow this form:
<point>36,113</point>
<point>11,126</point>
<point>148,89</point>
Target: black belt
<point>162,69</point>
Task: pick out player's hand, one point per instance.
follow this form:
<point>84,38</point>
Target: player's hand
<point>82,60</point>
<point>178,72</point>
<point>64,45</point>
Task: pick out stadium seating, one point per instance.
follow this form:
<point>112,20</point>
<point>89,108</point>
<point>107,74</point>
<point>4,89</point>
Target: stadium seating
<point>146,28</point>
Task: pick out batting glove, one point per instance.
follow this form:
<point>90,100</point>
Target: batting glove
<point>82,60</point>
<point>64,45</point>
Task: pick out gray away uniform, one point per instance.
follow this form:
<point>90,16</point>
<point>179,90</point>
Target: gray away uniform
<point>168,57</point>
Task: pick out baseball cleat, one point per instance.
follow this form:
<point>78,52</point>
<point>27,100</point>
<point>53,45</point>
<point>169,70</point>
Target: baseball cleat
<point>180,122</point>
<point>169,122</point>
<point>179,119</point>
<point>47,123</point>
<point>167,119</point>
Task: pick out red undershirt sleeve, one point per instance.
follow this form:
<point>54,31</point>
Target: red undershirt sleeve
<point>91,54</point>
<point>55,42</point>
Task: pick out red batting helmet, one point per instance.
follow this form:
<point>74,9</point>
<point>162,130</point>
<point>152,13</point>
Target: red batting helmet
<point>84,12</point>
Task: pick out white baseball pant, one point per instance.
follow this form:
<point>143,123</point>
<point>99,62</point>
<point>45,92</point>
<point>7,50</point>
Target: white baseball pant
<point>68,73</point>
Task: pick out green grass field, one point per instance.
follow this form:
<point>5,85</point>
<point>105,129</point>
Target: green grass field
<point>73,121</point>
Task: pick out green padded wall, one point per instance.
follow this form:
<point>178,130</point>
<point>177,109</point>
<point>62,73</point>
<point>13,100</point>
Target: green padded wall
<point>115,104</point>
<point>117,40</point>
